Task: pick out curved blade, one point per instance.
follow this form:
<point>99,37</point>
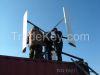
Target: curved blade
<point>68,25</point>
<point>24,40</point>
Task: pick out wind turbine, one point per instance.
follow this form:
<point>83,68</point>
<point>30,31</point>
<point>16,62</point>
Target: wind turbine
<point>70,37</point>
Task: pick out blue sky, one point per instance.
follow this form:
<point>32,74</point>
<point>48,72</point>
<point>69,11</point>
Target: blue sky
<point>84,17</point>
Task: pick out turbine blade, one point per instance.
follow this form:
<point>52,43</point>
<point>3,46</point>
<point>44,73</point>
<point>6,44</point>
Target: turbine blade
<point>69,29</point>
<point>24,40</point>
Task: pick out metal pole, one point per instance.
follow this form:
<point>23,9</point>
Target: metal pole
<point>58,23</point>
<point>93,70</point>
<point>72,56</point>
<point>79,67</point>
<point>34,25</point>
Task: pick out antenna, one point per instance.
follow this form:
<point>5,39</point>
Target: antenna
<point>24,31</point>
<point>68,27</point>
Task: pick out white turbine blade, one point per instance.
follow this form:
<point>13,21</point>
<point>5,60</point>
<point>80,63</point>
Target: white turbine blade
<point>24,40</point>
<point>68,27</point>
<point>64,15</point>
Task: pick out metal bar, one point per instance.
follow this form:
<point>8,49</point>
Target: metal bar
<point>72,56</point>
<point>93,70</point>
<point>55,25</point>
<point>64,37</point>
<point>79,67</point>
<point>69,42</point>
<point>34,25</point>
<point>58,23</point>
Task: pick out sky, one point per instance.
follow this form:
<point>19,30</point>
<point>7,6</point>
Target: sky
<point>84,16</point>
